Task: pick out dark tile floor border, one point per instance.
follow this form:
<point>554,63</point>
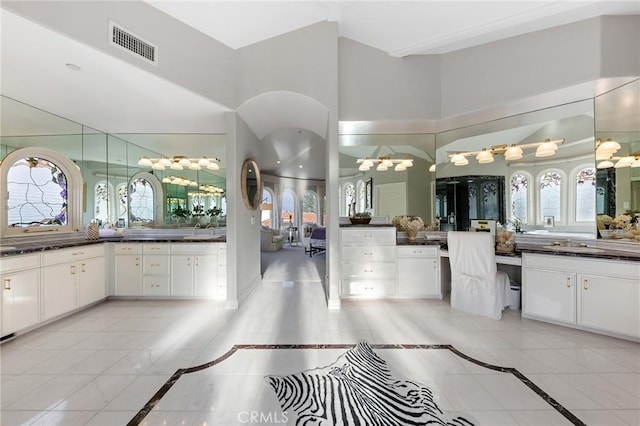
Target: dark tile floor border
<point>139,417</point>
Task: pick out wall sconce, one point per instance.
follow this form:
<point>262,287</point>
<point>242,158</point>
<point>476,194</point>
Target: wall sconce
<point>384,163</point>
<point>514,152</point>
<point>180,162</point>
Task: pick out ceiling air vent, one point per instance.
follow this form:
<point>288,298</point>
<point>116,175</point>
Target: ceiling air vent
<point>125,39</point>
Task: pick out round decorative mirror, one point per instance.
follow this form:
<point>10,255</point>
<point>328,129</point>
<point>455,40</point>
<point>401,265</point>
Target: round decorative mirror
<point>251,184</point>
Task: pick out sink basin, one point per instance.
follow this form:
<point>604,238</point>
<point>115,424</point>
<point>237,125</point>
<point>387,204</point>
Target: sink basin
<point>203,237</point>
<point>574,249</point>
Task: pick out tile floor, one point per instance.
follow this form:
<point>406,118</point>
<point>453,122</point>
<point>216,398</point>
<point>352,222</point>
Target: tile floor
<point>101,366</point>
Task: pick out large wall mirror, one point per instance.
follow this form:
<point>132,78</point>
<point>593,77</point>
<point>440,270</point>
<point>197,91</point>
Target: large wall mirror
<point>116,188</point>
<point>391,191</point>
<point>552,193</point>
<point>617,125</point>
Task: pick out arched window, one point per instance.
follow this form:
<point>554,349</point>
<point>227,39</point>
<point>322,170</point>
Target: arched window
<point>103,198</point>
<point>551,195</point>
<point>123,205</point>
<point>43,191</point>
<point>349,199</point>
<point>585,208</point>
<point>288,216</point>
<point>362,197</point>
<point>310,207</point>
<point>267,209</point>
<point>473,203</point>
<point>519,197</point>
<point>144,195</point>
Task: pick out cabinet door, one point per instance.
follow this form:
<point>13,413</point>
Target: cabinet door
<point>153,285</point>
<point>418,276</point>
<point>128,275</point>
<point>182,275</point>
<point>609,304</point>
<point>60,294</point>
<point>205,275</point>
<point>91,280</point>
<point>549,294</point>
<point>20,300</point>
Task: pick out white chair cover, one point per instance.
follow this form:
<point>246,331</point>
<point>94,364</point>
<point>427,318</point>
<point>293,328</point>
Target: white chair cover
<point>476,284</point>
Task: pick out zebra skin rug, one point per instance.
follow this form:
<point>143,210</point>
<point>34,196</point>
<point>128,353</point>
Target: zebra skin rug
<point>358,389</point>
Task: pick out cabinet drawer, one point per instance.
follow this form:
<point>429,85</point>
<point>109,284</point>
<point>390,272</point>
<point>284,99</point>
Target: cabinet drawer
<point>386,235</point>
<point>155,286</point>
<point>155,248</point>
<point>369,270</point>
<point>358,253</point>
<point>23,261</point>
<point>127,248</point>
<point>417,251</point>
<point>155,264</point>
<point>368,287</point>
<point>55,257</point>
<point>199,248</point>
<point>602,267</point>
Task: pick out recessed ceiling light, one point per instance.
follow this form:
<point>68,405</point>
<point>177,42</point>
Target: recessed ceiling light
<point>73,67</point>
<point>278,162</point>
<point>300,166</point>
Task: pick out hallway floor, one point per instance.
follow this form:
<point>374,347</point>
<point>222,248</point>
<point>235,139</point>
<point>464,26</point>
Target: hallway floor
<point>103,365</point>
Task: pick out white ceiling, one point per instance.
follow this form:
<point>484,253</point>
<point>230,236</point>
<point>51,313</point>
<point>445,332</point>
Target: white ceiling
<point>130,100</point>
<point>399,28</point>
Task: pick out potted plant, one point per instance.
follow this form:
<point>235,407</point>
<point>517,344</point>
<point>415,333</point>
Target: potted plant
<point>180,213</point>
<point>361,218</point>
<point>213,214</point>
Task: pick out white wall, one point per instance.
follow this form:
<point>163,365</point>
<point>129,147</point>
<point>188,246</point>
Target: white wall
<point>243,225</point>
<point>376,86</point>
<point>186,56</point>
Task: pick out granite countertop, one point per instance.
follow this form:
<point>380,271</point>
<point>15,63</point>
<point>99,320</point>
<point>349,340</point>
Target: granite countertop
<point>367,225</point>
<point>22,245</point>
<point>577,251</point>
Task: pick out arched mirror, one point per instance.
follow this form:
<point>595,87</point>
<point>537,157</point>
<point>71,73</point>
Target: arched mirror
<point>251,184</point>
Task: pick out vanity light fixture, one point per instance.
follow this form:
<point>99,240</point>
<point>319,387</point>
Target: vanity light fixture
<point>432,169</point>
<point>514,152</point>
<point>384,163</point>
<point>180,162</point>
<point>177,180</point>
<point>620,162</point>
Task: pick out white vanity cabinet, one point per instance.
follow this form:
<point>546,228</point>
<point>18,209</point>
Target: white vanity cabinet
<point>368,261</point>
<point>155,269</point>
<point>418,271</point>
<point>72,278</point>
<point>20,292</point>
<point>128,269</point>
<point>194,270</point>
<point>595,294</point>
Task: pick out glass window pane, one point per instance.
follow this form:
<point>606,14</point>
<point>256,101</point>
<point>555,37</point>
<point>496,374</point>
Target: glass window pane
<point>141,200</point>
<point>37,193</point>
<point>310,207</point>
<point>550,192</point>
<point>586,194</point>
<point>519,198</point>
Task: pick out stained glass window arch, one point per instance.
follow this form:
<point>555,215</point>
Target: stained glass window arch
<point>362,196</point>
<point>585,193</point>
<point>520,195</point>
<point>44,191</point>
<point>550,195</point>
<point>144,193</point>
<point>349,199</point>
<point>104,203</point>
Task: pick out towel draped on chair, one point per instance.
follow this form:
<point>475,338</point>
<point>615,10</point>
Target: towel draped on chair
<point>476,284</point>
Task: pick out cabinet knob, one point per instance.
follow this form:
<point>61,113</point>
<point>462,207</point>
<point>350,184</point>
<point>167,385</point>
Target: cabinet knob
<point>7,283</point>
<point>568,282</point>
<point>83,267</point>
<point>73,269</point>
<point>585,284</point>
